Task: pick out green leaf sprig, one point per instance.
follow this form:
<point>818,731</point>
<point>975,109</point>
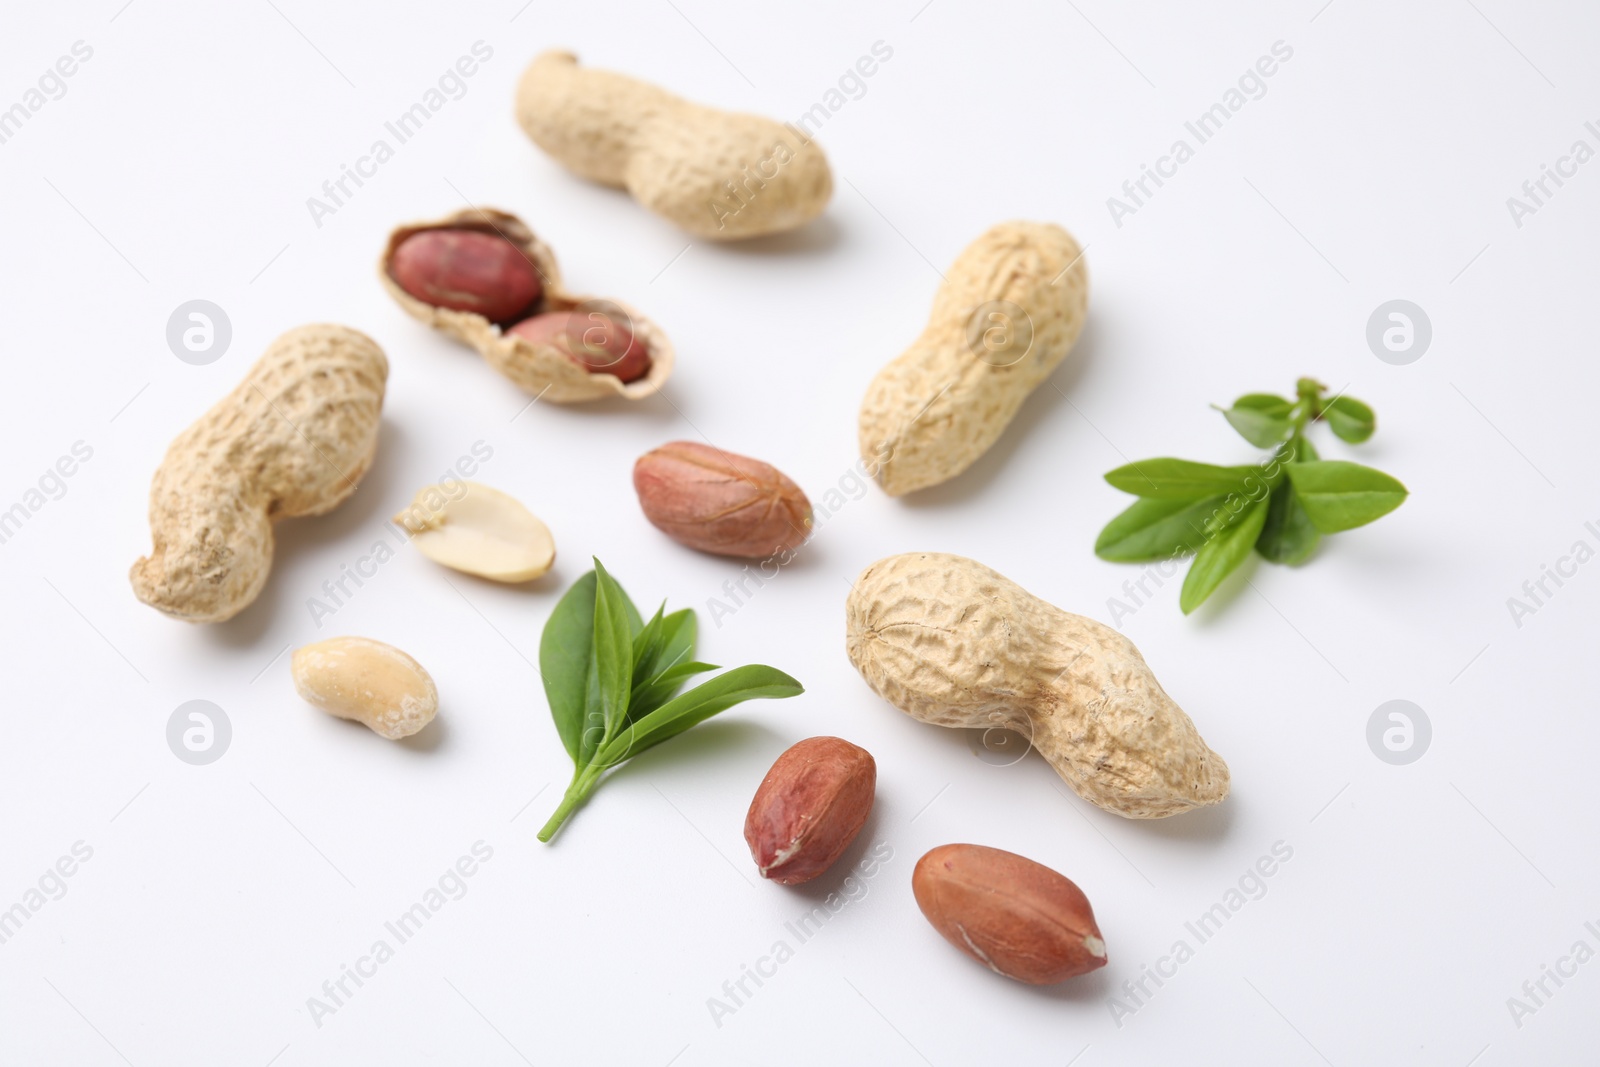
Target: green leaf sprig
<point>612,681</point>
<point>1280,506</point>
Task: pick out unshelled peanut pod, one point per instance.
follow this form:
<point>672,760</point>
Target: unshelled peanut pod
<point>717,174</point>
<point>294,438</point>
<point>949,641</point>
<point>1005,317</point>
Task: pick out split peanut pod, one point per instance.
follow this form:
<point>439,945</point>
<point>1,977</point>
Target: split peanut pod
<point>949,641</point>
<point>474,529</point>
<point>716,174</point>
<point>482,277</point>
<point>1005,317</point>
<point>294,438</point>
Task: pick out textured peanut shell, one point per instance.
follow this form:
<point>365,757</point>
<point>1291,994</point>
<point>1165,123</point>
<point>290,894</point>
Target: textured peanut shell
<point>678,159</point>
<point>294,438</point>
<point>1018,918</point>
<point>538,369</point>
<point>939,405</point>
<point>949,641</point>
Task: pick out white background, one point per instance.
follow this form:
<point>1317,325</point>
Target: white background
<point>218,899</point>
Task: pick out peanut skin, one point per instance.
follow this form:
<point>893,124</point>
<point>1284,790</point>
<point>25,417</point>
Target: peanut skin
<point>466,270</point>
<point>593,340</point>
<point>719,502</point>
<point>294,438</point>
<point>951,642</point>
<point>810,807</point>
<point>1018,918</point>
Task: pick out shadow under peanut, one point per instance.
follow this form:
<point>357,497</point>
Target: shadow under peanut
<point>847,866</point>
<point>431,738</point>
<point>653,410</point>
<point>1208,825</point>
<point>710,740</point>
<point>816,238</point>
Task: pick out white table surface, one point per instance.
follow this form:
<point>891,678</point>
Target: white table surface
<point>216,900</point>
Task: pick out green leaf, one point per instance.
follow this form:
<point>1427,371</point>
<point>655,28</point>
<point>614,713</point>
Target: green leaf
<point>681,629</point>
<point>658,680</point>
<point>652,693</point>
<point>1349,419</point>
<point>635,624</point>
<point>694,707</point>
<point>647,643</point>
<point>1179,479</point>
<point>613,650</point>
<point>564,655</point>
<point>1341,496</point>
<point>1261,418</point>
<point>1218,557</point>
<point>1287,536</point>
<point>1267,402</point>
<point>593,723</point>
<point>676,646</point>
<point>680,671</point>
<point>1152,529</point>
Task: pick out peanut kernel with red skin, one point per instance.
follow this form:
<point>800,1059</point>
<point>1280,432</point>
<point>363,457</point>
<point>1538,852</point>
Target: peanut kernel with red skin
<point>593,340</point>
<point>810,807</point>
<point>1019,918</point>
<point>467,270</point>
<point>720,502</point>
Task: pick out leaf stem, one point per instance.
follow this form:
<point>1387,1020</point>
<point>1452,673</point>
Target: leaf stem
<point>1308,393</point>
<point>583,783</point>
